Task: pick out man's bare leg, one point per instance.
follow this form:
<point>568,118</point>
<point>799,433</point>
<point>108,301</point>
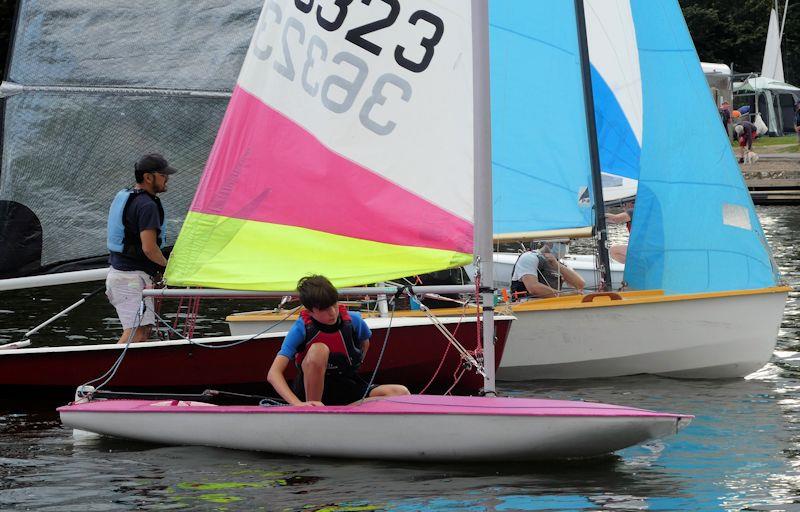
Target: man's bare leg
<point>140,334</point>
<point>618,252</point>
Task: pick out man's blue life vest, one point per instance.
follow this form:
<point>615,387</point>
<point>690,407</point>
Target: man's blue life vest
<point>345,350</point>
<point>122,238</point>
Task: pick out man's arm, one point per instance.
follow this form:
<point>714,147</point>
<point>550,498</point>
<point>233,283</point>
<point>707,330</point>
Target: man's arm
<point>618,218</point>
<point>537,289</point>
<point>150,247</point>
<point>572,277</point>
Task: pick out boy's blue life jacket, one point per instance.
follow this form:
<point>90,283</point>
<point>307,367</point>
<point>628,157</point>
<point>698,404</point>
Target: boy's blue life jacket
<point>345,351</point>
<point>122,238</point>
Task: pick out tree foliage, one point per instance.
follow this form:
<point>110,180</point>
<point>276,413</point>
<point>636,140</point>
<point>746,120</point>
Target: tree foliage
<point>727,31</point>
<point>736,32</point>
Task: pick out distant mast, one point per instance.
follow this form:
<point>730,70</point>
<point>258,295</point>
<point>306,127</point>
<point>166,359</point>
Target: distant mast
<point>594,153</point>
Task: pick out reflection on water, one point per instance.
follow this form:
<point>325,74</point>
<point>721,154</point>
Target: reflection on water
<point>741,452</point>
<point>737,453</point>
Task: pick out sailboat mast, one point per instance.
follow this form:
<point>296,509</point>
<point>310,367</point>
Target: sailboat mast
<point>783,20</point>
<point>594,153</point>
<point>482,144</point>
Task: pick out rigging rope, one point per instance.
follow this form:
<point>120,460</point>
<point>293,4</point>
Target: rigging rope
<point>465,354</point>
<point>383,349</point>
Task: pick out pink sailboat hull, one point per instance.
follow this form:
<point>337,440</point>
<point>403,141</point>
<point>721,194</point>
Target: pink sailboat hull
<point>415,427</point>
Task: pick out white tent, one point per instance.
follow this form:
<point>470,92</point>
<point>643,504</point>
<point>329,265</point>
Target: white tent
<point>774,100</point>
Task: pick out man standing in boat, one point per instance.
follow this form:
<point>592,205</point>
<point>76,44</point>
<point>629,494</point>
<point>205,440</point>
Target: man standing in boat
<point>540,274</point>
<point>136,235</point>
<point>328,344</point>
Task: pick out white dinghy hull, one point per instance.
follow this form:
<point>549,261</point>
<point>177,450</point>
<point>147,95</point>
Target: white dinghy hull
<point>415,427</point>
<point>707,336</point>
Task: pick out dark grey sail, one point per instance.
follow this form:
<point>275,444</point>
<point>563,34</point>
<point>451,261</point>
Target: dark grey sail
<point>91,86</point>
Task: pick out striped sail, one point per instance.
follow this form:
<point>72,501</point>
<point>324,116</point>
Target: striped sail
<point>541,177</point>
<point>694,227</point>
<point>346,150</point>
<point>616,84</point>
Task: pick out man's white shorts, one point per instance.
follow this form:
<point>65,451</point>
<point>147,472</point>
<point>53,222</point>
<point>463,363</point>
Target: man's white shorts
<point>124,292</point>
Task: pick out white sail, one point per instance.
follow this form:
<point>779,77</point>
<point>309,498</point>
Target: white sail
<point>772,65</point>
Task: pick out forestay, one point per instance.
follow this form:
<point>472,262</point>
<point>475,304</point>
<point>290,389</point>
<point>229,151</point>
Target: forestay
<point>541,173</point>
<point>694,228</point>
<point>346,150</point>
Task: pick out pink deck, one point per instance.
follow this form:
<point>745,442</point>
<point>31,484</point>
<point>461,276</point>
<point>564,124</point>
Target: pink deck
<point>413,404</point>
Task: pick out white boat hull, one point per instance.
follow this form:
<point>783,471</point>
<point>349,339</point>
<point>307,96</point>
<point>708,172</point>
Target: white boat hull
<point>708,336</point>
<point>425,430</point>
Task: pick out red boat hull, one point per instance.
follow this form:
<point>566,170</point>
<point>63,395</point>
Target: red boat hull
<point>412,356</point>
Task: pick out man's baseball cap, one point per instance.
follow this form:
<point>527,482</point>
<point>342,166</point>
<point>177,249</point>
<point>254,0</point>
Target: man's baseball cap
<point>153,162</point>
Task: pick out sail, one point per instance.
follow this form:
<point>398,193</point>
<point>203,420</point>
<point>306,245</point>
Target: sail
<point>90,87</point>
<point>694,226</point>
<point>346,150</point>
<point>772,65</point>
<point>540,175</point>
<point>617,86</point>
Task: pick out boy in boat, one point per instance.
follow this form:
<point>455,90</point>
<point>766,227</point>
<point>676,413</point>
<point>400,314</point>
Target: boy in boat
<point>540,274</point>
<point>327,344</point>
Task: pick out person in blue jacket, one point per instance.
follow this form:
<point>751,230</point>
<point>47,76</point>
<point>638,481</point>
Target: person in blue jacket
<point>135,239</point>
<point>327,344</point>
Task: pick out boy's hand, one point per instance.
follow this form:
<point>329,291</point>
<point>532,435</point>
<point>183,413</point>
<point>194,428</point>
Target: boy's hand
<point>312,403</point>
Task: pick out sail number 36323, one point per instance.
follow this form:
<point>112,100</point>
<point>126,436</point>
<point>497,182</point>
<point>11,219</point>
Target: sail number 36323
<point>338,92</point>
<point>356,34</point>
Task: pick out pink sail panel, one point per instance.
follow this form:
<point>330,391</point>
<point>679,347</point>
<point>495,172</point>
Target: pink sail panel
<point>266,168</point>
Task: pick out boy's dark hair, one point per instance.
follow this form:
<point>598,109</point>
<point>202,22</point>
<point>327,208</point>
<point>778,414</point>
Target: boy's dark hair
<point>317,292</point>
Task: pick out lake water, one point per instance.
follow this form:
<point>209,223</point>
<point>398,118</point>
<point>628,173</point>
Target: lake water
<point>742,452</point>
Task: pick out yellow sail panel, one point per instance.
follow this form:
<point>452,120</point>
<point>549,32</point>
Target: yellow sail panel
<point>223,252</point>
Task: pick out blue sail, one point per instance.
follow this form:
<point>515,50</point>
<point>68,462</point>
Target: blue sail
<point>541,174</point>
<point>694,226</point>
<point>618,146</point>
<point>616,86</point>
